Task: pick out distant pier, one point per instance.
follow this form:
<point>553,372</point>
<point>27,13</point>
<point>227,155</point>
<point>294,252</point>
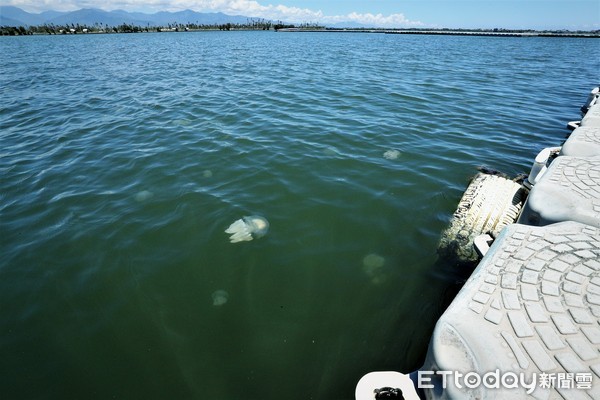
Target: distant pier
<point>459,32</point>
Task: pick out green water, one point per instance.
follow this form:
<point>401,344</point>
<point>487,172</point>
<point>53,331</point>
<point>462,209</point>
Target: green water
<point>124,158</point>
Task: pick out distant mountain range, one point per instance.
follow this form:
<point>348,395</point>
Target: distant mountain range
<point>14,16</point>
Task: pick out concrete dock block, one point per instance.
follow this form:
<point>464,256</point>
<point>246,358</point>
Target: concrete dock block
<point>496,327</point>
<point>592,117</point>
<point>583,142</point>
<point>568,191</point>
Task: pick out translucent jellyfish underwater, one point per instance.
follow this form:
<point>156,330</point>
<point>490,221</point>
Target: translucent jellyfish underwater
<point>219,297</point>
<point>391,154</point>
<point>373,268</point>
<point>331,151</point>
<point>143,195</point>
<point>247,228</point>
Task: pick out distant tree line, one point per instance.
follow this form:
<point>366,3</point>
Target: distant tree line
<point>250,24</point>
<point>53,29</point>
<point>66,29</point>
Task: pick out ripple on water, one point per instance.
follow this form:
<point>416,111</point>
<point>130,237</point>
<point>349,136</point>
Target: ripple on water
<point>122,166</point>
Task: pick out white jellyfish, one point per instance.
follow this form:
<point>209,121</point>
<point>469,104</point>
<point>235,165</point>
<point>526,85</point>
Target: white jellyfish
<point>391,154</point>
<point>143,196</point>
<point>219,297</point>
<point>247,228</point>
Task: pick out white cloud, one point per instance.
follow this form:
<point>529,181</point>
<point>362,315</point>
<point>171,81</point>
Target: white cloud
<point>375,20</point>
<point>249,8</point>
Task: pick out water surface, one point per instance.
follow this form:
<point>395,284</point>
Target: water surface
<point>125,157</point>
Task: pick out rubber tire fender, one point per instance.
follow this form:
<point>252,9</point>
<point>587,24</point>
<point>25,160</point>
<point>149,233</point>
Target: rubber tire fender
<point>489,203</point>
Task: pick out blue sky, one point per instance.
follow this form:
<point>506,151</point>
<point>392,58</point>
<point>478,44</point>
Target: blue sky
<point>514,14</point>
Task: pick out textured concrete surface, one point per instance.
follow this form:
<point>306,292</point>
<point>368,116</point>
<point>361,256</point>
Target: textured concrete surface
<point>568,191</point>
<point>592,117</point>
<point>532,306</point>
<point>583,142</point>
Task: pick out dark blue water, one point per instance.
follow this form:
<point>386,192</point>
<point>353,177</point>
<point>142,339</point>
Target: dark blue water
<point>124,158</point>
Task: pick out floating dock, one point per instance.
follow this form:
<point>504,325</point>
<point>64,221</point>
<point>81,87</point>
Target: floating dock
<point>526,325</point>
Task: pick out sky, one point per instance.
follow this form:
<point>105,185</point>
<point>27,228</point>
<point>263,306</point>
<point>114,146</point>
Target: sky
<point>510,14</point>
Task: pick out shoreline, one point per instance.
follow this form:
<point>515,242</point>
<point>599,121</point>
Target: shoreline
<point>14,31</point>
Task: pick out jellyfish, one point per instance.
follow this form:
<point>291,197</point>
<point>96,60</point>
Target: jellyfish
<point>219,297</point>
<point>144,195</point>
<point>391,154</point>
<point>182,122</point>
<point>331,151</point>
<point>247,228</point>
<point>207,173</point>
<point>373,268</point>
